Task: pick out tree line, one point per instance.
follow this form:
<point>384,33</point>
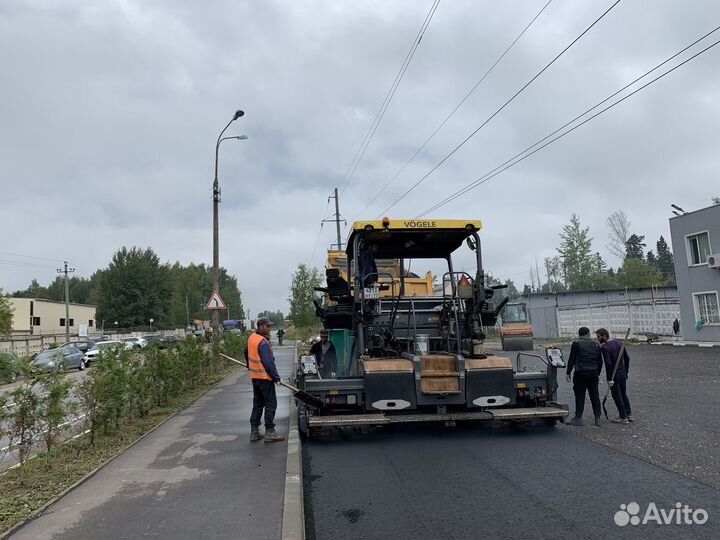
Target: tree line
<point>136,287</point>
<point>578,267</point>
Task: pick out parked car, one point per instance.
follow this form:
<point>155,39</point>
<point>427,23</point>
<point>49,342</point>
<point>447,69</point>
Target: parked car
<point>135,342</point>
<point>84,346</point>
<point>64,358</point>
<point>9,367</point>
<point>154,339</point>
<point>93,353</point>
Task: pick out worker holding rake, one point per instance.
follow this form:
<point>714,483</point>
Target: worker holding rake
<point>617,368</point>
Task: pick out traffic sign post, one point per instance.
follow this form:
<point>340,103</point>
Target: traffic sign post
<point>216,303</point>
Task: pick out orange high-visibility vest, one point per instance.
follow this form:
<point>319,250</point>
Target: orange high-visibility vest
<point>257,370</point>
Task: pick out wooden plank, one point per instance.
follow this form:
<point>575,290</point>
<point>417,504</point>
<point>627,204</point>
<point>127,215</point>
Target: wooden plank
<point>439,384</point>
<point>491,362</point>
<point>388,364</point>
<point>437,363</point>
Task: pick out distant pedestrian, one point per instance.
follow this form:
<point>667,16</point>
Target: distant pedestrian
<point>610,349</point>
<point>280,335</point>
<point>586,360</point>
<point>264,375</point>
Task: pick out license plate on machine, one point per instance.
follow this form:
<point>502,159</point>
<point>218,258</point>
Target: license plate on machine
<point>372,293</point>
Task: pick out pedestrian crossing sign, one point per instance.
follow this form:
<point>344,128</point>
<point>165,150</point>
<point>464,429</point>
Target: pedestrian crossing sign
<point>216,302</point>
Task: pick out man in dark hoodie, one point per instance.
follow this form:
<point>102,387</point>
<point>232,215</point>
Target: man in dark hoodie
<point>610,351</point>
<point>586,360</point>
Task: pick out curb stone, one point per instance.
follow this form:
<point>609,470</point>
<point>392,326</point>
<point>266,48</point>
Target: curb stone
<point>293,519</point>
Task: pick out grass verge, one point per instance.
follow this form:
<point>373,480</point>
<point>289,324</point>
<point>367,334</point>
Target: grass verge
<point>49,475</point>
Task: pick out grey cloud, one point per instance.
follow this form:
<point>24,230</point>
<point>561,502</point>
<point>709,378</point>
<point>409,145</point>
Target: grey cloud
<point>111,109</point>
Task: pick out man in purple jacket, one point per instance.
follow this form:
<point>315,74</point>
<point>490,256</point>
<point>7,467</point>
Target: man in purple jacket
<point>610,349</point>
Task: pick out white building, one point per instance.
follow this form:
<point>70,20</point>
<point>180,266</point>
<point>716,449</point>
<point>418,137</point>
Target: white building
<point>37,316</point>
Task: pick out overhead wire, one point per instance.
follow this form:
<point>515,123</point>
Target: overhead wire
<point>23,264</point>
<point>28,256</point>
<point>388,98</point>
<point>517,159</point>
<point>457,107</point>
<point>502,107</point>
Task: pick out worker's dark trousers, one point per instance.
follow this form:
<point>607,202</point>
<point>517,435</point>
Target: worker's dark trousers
<point>263,398</point>
<point>583,381</point>
<point>619,394</point>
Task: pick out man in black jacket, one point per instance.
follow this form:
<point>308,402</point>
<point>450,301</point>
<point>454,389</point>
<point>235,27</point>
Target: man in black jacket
<point>586,360</point>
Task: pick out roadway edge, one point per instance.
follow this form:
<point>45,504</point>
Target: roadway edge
<point>293,518</point>
<point>92,473</point>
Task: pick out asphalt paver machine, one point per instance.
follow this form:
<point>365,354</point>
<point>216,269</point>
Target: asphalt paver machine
<point>408,358</point>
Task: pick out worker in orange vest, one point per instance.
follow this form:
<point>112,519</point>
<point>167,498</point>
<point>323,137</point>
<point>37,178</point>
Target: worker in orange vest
<point>264,375</point>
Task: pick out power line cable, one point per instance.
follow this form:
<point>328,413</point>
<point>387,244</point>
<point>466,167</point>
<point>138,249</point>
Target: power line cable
<point>388,97</point>
<point>29,256</point>
<point>514,161</point>
<point>460,104</point>
<point>22,264</point>
<point>493,115</point>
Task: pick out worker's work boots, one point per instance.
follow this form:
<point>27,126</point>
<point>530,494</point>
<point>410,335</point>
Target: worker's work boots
<point>255,435</point>
<point>272,436</point>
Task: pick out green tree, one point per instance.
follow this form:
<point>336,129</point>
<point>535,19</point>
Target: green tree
<point>636,273</point>
<point>578,262</point>
<point>665,261</point>
<point>651,259</point>
<point>6,315</point>
<point>191,289</point>
<point>35,290</point>
<point>302,309</point>
<point>135,288</point>
<point>634,247</point>
<point>276,317</point>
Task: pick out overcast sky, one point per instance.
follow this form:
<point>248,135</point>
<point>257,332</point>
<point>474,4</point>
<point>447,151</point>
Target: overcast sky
<point>110,110</point>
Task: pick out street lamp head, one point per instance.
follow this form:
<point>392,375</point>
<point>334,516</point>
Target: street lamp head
<point>241,137</point>
<point>238,114</point>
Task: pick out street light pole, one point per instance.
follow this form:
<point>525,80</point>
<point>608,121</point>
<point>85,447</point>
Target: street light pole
<point>216,202</point>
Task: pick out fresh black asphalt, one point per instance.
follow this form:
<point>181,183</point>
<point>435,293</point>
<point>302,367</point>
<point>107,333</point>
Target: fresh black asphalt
<point>426,481</point>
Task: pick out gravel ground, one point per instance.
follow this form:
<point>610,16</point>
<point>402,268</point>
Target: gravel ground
<point>675,399</point>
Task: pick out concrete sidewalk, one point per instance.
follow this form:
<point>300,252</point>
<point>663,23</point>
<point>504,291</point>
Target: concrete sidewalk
<point>195,477</point>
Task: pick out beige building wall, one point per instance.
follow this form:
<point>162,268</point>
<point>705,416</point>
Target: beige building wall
<point>43,317</point>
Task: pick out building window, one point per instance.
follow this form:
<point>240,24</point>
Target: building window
<point>62,322</point>
<point>698,246</point>
<point>90,323</point>
<point>34,321</point>
<point>706,307</point>
<point>72,322</point>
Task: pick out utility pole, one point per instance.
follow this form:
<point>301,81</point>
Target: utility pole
<point>337,219</point>
<point>216,228</point>
<point>67,271</point>
<point>537,271</point>
<point>187,310</point>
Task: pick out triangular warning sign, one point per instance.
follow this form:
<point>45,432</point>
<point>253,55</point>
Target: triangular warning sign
<point>215,302</point>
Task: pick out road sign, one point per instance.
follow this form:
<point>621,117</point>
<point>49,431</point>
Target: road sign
<point>216,302</point>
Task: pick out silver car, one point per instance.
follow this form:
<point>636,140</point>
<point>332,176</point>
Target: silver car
<point>65,358</point>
